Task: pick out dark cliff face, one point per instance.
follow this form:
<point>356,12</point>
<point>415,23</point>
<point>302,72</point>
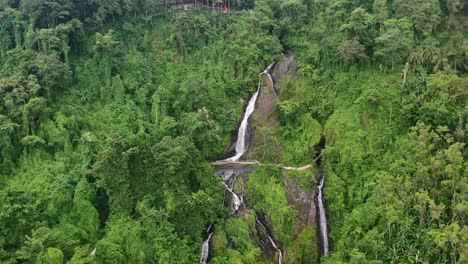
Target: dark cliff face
<point>265,127</point>
<point>303,202</point>
<point>286,66</point>
<point>263,227</point>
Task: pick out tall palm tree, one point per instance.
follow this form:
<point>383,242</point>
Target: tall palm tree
<point>440,61</point>
<point>415,58</point>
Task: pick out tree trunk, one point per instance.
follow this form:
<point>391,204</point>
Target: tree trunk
<point>181,41</point>
<point>389,229</point>
<point>405,73</point>
<point>450,21</point>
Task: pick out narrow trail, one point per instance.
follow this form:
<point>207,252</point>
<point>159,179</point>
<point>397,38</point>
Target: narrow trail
<point>255,163</point>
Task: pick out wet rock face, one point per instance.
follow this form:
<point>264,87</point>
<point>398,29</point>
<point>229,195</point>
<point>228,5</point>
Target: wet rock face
<point>263,241</point>
<point>286,66</point>
<point>303,202</point>
<point>263,226</point>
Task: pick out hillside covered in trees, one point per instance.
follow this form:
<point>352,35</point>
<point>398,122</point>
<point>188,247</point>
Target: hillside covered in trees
<point>111,110</point>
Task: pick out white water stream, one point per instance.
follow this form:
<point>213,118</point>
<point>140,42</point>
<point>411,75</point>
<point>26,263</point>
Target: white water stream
<point>241,147</point>
<point>322,218</point>
<point>280,258</point>
<point>205,249</point>
<point>236,200</point>
<point>241,143</point>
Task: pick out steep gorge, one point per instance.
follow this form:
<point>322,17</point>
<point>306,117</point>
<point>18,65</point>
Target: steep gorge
<point>300,199</point>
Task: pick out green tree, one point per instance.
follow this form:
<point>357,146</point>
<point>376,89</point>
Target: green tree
<point>106,50</point>
<point>424,15</point>
<point>454,7</point>
<point>45,13</point>
<point>106,9</point>
<point>7,127</point>
<point>112,173</point>
<point>153,8</point>
<point>86,215</point>
<point>380,10</point>
<point>191,31</point>
<point>395,41</point>
<point>122,243</point>
<point>361,26</point>
<point>53,256</point>
<point>16,91</point>
<point>352,51</point>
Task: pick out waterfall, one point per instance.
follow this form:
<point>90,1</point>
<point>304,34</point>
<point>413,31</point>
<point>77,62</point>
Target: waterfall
<point>226,174</point>
<point>241,146</point>
<point>272,242</point>
<point>322,218</point>
<point>280,258</point>
<point>241,134</point>
<point>93,253</point>
<point>205,249</point>
<point>267,73</point>
<point>236,200</point>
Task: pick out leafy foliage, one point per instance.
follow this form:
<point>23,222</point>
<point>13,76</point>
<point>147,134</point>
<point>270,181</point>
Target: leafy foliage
<point>110,109</point>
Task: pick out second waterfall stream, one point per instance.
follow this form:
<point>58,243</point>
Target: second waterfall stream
<point>323,224</point>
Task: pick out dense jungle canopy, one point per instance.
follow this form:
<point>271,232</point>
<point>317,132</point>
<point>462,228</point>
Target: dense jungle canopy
<point>110,111</point>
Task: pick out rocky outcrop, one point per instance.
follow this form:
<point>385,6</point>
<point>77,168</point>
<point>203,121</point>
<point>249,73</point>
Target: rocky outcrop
<point>303,201</point>
<point>266,134</point>
<point>265,140</point>
<point>286,66</point>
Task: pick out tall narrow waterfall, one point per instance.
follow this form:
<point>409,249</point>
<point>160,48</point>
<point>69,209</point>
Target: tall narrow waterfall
<point>280,258</point>
<point>241,143</point>
<point>241,147</point>
<point>205,250</point>
<point>322,218</point>
<point>272,242</point>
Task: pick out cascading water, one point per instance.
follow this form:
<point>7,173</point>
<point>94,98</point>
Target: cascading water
<point>272,242</point>
<point>241,146</point>
<point>322,218</point>
<point>236,201</point>
<point>205,249</point>
<point>280,258</point>
<point>267,73</point>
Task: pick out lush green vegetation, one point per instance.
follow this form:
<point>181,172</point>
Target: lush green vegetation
<point>109,111</point>
<point>395,155</point>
